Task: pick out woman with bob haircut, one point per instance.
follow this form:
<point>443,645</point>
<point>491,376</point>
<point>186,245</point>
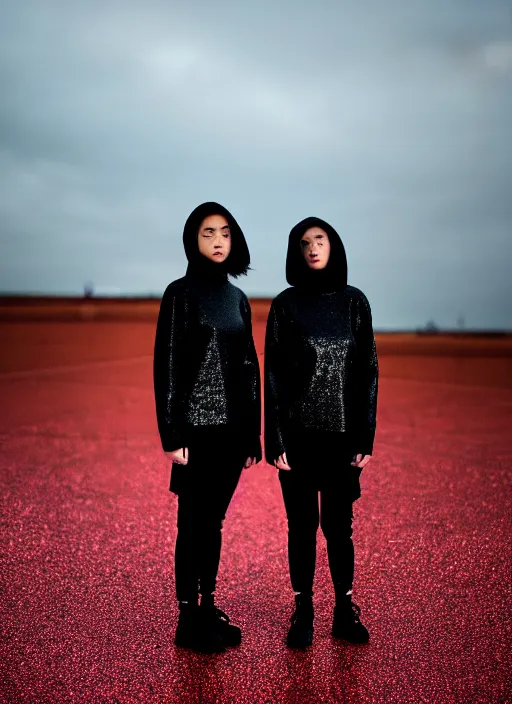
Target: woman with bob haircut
<point>321,377</point>
<point>207,394</point>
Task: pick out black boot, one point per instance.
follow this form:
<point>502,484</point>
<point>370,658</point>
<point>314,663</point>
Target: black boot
<point>217,621</point>
<point>300,634</point>
<point>346,623</point>
<point>193,633</point>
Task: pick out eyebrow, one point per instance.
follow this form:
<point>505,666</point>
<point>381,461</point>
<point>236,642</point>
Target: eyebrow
<point>316,237</point>
<point>212,229</point>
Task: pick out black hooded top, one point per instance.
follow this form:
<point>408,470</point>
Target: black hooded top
<point>321,369</point>
<point>206,372</point>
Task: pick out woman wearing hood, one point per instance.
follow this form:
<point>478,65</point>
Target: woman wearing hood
<point>207,394</point>
<point>320,411</point>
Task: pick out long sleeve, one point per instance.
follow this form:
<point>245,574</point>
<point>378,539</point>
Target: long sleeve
<point>274,391</point>
<point>368,374</point>
<point>169,368</point>
<point>252,375</point>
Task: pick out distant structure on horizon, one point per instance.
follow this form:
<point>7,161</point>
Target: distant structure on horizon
<point>431,327</point>
<point>92,291</point>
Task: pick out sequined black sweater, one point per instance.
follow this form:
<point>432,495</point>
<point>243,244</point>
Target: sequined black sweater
<point>321,370</point>
<point>206,371</point>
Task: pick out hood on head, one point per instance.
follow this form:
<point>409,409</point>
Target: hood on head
<point>238,260</point>
<point>333,277</point>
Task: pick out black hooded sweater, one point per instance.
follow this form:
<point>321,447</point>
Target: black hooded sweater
<point>205,370</point>
<point>321,369</point>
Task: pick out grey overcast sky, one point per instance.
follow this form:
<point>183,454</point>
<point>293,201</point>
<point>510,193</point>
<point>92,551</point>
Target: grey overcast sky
<point>389,119</point>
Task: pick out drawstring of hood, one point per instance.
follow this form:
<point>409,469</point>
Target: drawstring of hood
<point>333,277</point>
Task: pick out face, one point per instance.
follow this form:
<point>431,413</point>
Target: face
<point>214,238</point>
<point>315,248</point>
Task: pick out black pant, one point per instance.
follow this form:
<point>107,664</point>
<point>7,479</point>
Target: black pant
<point>320,490</point>
<point>205,487</point>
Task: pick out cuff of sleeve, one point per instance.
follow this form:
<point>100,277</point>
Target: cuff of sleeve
<point>365,442</point>
<point>273,452</point>
<point>172,441</point>
<point>255,448</point>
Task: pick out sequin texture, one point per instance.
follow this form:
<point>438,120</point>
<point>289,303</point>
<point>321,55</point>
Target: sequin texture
<point>206,370</point>
<point>321,368</point>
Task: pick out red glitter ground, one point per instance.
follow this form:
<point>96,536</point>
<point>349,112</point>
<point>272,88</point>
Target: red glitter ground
<point>88,528</point>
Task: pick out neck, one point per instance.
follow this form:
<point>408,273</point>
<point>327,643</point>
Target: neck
<point>204,270</point>
<point>322,281</point>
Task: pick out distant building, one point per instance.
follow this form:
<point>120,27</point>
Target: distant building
<point>431,328</point>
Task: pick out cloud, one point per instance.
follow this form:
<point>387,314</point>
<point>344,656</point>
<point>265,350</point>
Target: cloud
<point>389,119</point>
<point>497,56</point>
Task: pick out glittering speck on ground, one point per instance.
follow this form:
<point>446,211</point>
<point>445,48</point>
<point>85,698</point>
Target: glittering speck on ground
<point>87,606</point>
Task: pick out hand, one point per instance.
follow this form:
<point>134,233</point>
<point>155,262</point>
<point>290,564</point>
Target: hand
<point>282,462</point>
<point>360,461</point>
<point>178,456</point>
<point>249,462</point>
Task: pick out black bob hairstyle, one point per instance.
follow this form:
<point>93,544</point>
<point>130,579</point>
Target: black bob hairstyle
<point>238,261</point>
